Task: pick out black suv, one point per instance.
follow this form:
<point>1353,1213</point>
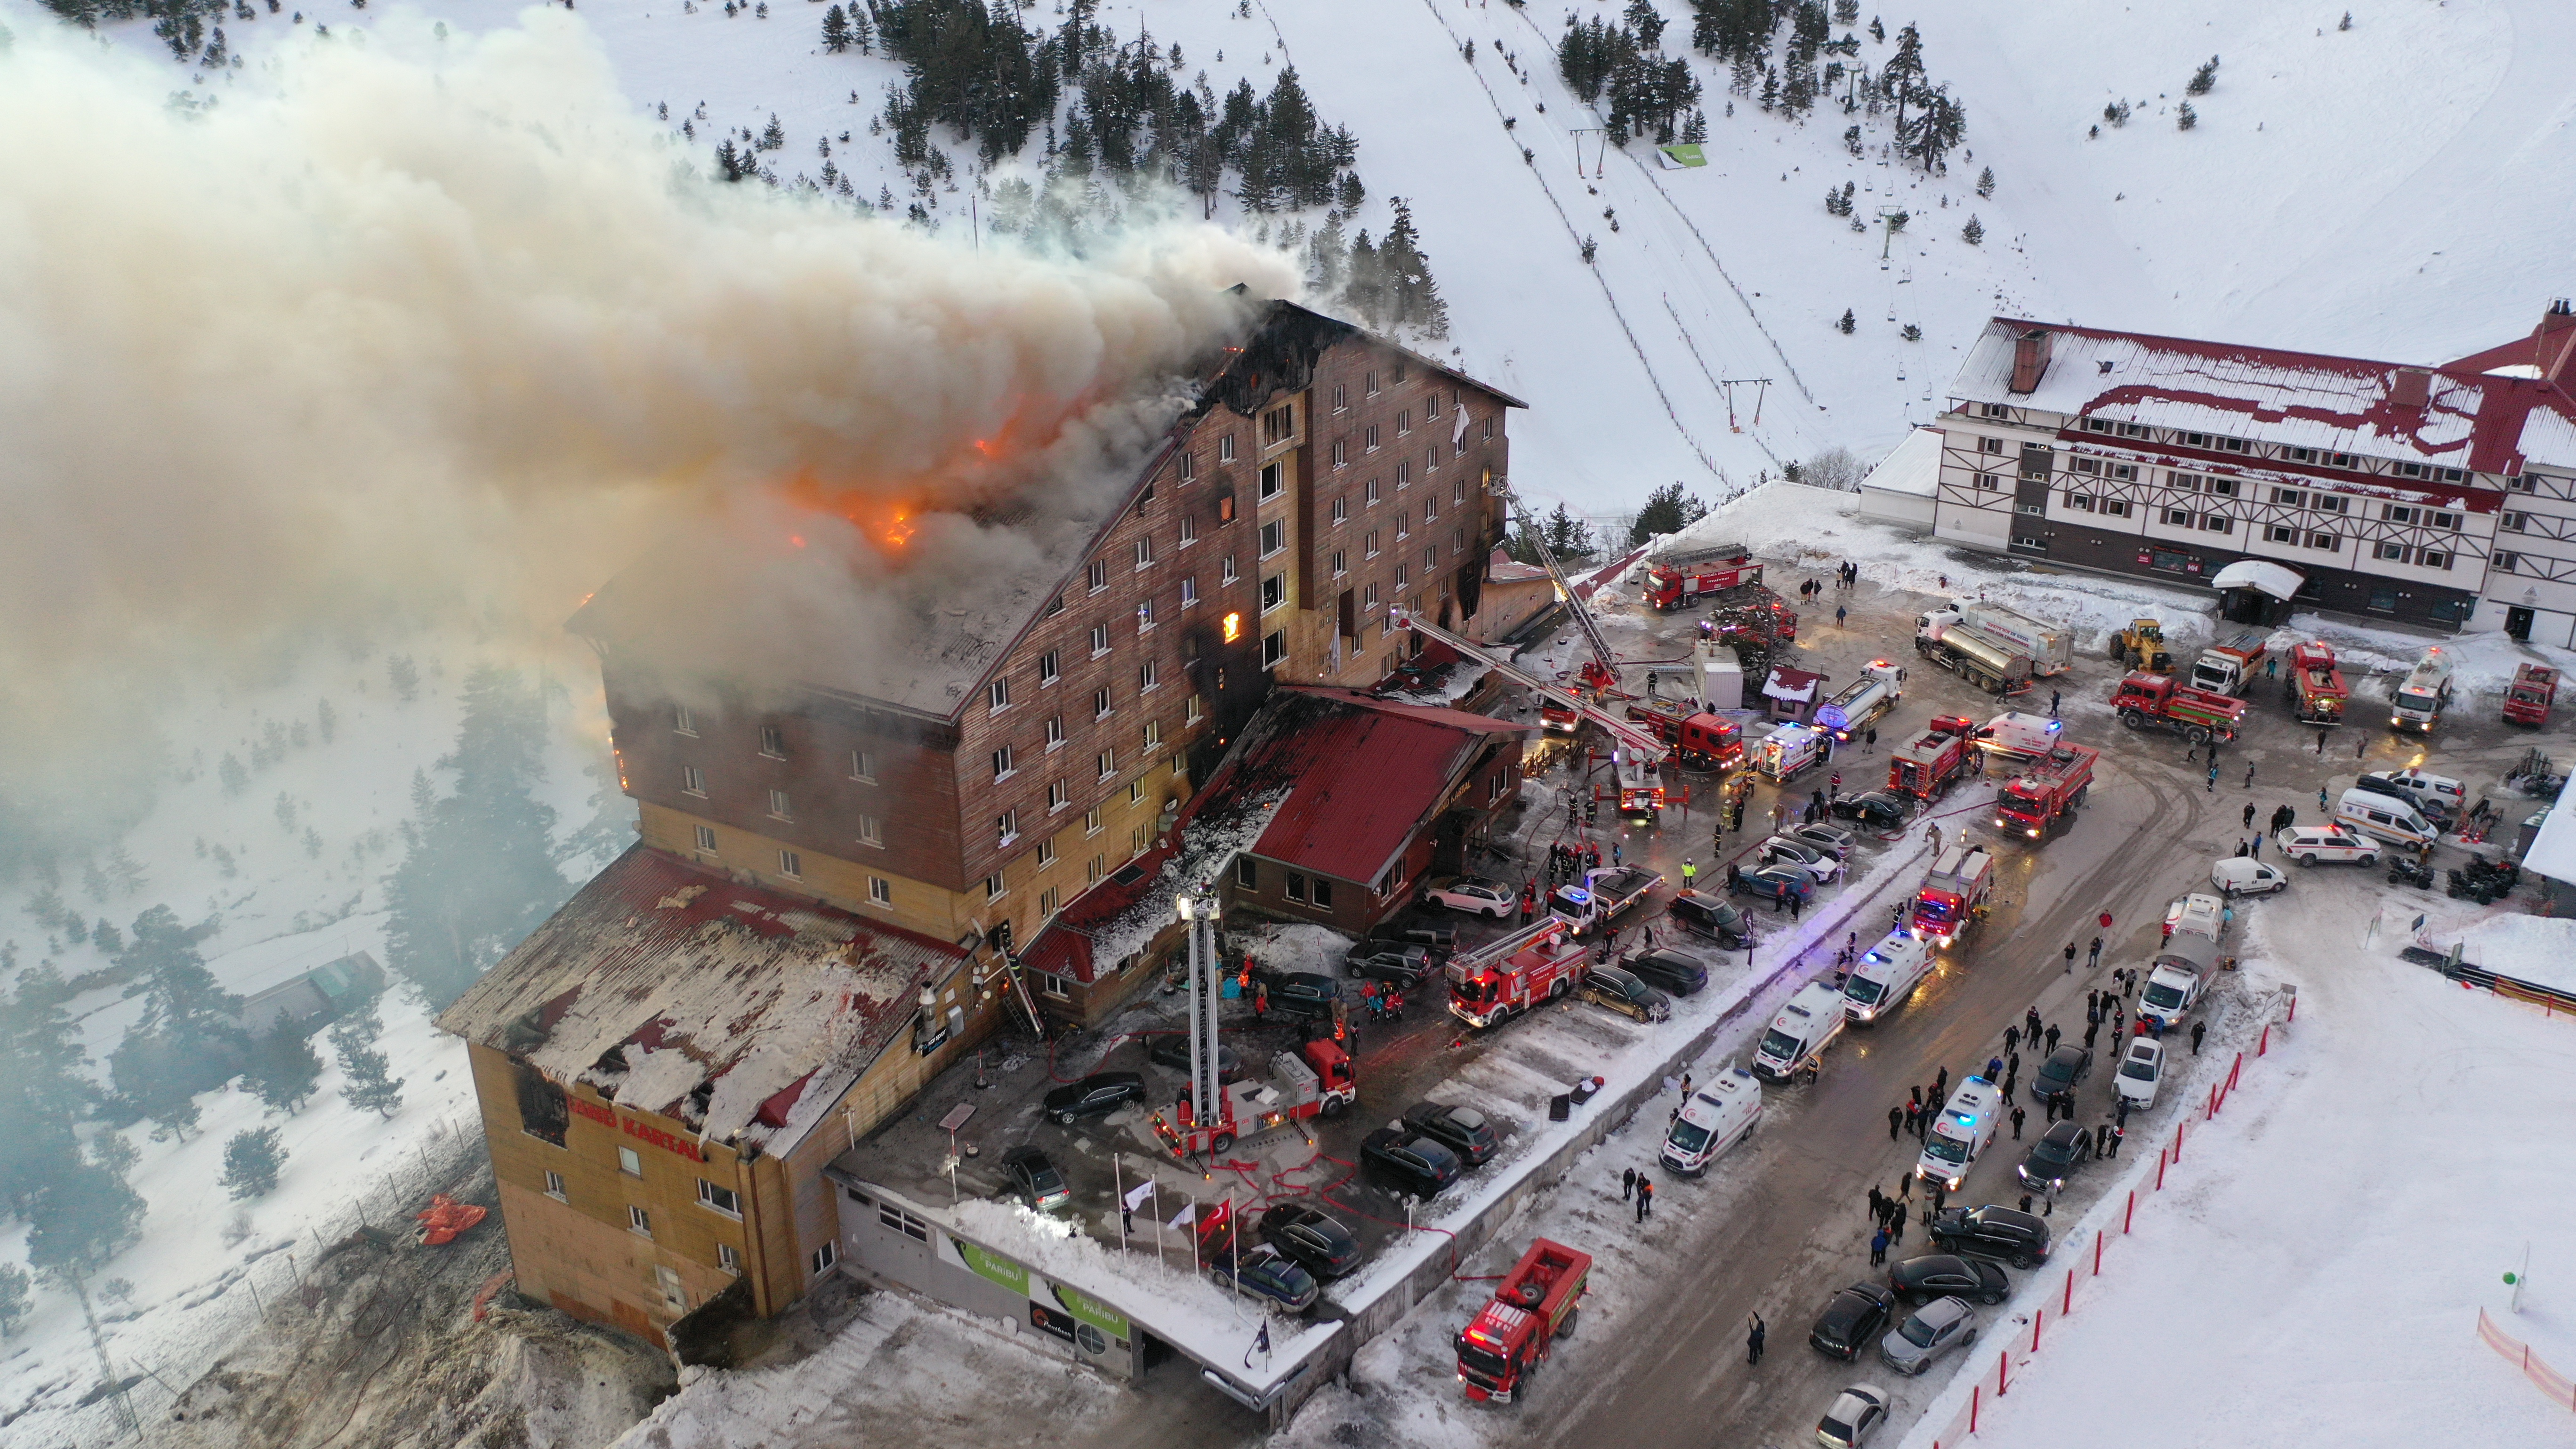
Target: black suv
<point>1406,966</point>
<point>2055,1156</point>
<point>1463,1130</point>
<point>1876,809</point>
<point>1993,1232</point>
<point>1852,1321</point>
<point>1715,917</point>
<point>1409,1161</point>
<point>1035,1179</point>
<point>1302,993</point>
<point>1671,970</point>
<point>2058,1076</point>
<point>1312,1237</point>
<point>1094,1096</point>
<point>1945,1275</point>
<point>1172,1049</point>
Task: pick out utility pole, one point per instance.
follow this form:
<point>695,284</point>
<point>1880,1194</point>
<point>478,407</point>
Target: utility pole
<point>1601,149</point>
<point>1889,219</point>
<point>1761,386</point>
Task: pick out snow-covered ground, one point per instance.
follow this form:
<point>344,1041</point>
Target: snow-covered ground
<point>2314,1270</point>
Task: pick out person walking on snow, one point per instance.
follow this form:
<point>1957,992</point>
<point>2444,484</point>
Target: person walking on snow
<point>2212,786</point>
<point>1753,1338</point>
<point>2018,1114</point>
<point>1627,1184</point>
<point>2052,704</point>
<point>2249,784</point>
<point>1895,1122</point>
<point>2070,958</point>
<point>1896,1224</point>
<point>1645,1197</point>
<point>1877,1203</point>
<point>1878,1248</point>
<point>2093,958</point>
<point>2249,815</point>
<point>2198,1029</point>
<point>2052,1037</point>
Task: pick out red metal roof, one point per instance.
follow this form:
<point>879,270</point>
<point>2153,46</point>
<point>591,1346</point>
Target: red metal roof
<point>1362,775</point>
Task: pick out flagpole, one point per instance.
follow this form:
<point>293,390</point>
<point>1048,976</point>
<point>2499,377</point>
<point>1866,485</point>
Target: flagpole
<point>1118,1187</point>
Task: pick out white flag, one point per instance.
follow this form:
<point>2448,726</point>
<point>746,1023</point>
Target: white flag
<point>1136,1196</point>
<point>1188,1211</point>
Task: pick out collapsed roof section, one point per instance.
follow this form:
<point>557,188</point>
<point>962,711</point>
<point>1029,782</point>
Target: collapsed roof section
<point>670,989</point>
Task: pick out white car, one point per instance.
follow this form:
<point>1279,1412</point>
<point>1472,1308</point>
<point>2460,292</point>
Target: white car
<point>1476,896</point>
<point>2242,876</point>
<point>1824,865</point>
<point>1855,1413</point>
<point>2139,1073</point>
<point>2309,844</point>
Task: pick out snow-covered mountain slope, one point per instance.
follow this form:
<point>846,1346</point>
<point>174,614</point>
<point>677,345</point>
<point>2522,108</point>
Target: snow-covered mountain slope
<point>2388,190</point>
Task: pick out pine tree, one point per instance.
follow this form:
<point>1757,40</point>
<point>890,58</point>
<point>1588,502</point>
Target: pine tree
<point>1974,232</point>
<point>282,1069</point>
<point>1667,510</point>
<point>836,30</point>
<point>252,1161</point>
<point>405,677</point>
<point>728,160</point>
<point>2346,22</point>
<point>368,1086</point>
<point>1911,333</point>
<point>2201,79</point>
<point>13,1298</point>
<point>1986,182</point>
<point>1568,537</point>
<point>1413,298</point>
<point>2185,117</point>
<point>772,136</point>
<point>1849,322</point>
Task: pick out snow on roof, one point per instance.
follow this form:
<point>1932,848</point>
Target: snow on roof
<point>2553,849</point>
<point>2470,420</point>
<point>1795,685</point>
<point>1912,466</point>
<point>2278,580</point>
<point>1502,568</point>
<point>659,978</point>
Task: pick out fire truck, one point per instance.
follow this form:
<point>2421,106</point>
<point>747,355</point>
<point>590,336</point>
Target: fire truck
<point>1526,969</point>
<point>1602,896</point>
<point>2046,791</point>
<point>1926,766</point>
<point>2316,689</point>
<point>1863,702</point>
<point>1680,579</point>
<point>2535,687</point>
<point>1953,895</point>
<point>2154,699</point>
<point>1317,1080</point>
<point>1533,1307</point>
<point>1700,741</point>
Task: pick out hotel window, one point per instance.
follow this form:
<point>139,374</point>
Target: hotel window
<point>791,865</point>
<point>1430,405</point>
<point>1430,507</point>
<point>1993,410</point>
<point>1002,766</point>
<point>2299,455</point>
<point>693,781</point>
<point>1099,640</point>
<point>1341,510</point>
<point>1100,702</point>
<point>1093,869</point>
<point>2289,497</point>
<point>1189,592</point>
<point>1272,480</point>
<point>1144,553</point>
<point>719,1199</point>
<point>1341,396</point>
<point>1091,822</point>
<point>1404,525</point>
<point>871,831</point>
<point>1189,467</point>
<point>2325,541</point>
<point>1991,482</point>
<point>1050,667</point>
<point>1323,894</point>
<point>1296,887</point>
<point>1341,452</point>
<point>1403,423</point>
<point>1153,739</point>
<point>2444,520</point>
<point>1341,562</point>
<point>555,1187</point>
<point>2276,533</point>
<point>880,891</point>
<point>1046,857</point>
<point>1368,383</point>
<point>1431,459</point>
<point>1274,536</point>
<point>1274,592</point>
<point>1048,900</point>
<point>2434,558</point>
<point>707,839</point>
<point>1054,731</point>
<point>994,886</point>
<point>1225,449</point>
<point>2392,551</point>
<point>729,1258</point>
<point>998,694</point>
<point>1368,597</point>
<point>1144,615</point>
<point>637,1219</point>
<point>1194,711</point>
<point>1369,493</point>
<point>2179,517</point>
<point>2218,523</point>
<point>682,721</point>
<point>1149,676</point>
<point>1107,763</point>
<point>1489,427</point>
<point>1227,573</point>
<point>1279,424</point>
<point>1097,574</point>
<point>822,1258</point>
<point>2396,514</point>
<point>1368,544</point>
<point>629,1162</point>
<point>2327,503</point>
<point>1990,445</point>
<point>2515,522</point>
<point>2115,508</point>
<point>1430,556</point>
<point>773,742</point>
<point>2507,562</point>
<point>2411,470</point>
<point>1189,530</point>
<point>2079,503</point>
<point>1403,476</point>
<point>778,806</point>
<point>1247,873</point>
<point>1403,575</point>
<point>1274,648</point>
<point>1059,795</point>
<point>1368,438</point>
<point>1006,827</point>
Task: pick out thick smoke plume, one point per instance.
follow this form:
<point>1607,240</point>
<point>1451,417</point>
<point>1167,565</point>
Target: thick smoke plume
<point>409,325</point>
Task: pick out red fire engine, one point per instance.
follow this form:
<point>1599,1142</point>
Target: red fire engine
<point>2047,789</point>
<point>1701,741</point>
<point>1679,580</point>
<point>1929,764</point>
<point>1535,1306</point>
<point>1532,966</point>
<point>2535,686</point>
<point>2317,691</point>
<point>1953,895</point>
<point>1322,1084</point>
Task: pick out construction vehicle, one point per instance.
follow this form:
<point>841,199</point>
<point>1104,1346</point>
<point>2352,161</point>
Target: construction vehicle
<point>1989,664</point>
<point>1863,702</point>
<point>1602,896</point>
<point>1316,1080</point>
<point>1528,968</point>
<point>2534,689</point>
<point>2425,693</point>
<point>2044,644</point>
<point>1927,765</point>
<point>2197,715</point>
<point>2317,691</point>
<point>1679,579</point>
<point>2141,646</point>
<point>2224,667</point>
<point>2046,791</point>
<point>1699,740</point>
<point>1790,750</point>
<point>1535,1305</point>
<point>1953,895</point>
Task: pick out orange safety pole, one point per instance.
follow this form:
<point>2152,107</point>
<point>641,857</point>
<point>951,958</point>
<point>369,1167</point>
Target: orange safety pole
<point>2160,1169</point>
<point>2038,1320</point>
<point>1976,1393</point>
<point>2097,1252</point>
<point>2237,1066</point>
<point>2003,1373</point>
<point>2263,1043</point>
<point>2129,1219</point>
<point>2178,1127</point>
<point>2067,1303</point>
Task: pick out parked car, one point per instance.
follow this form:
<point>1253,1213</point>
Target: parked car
<point>1876,809</point>
<point>1623,993</point>
<point>1831,839</point>
<point>1476,896</point>
<point>1406,966</point>
<point>1172,1049</point>
<point>2140,1071</point>
<point>1851,1319</point>
<point>1927,1333</point>
<point>1667,971</point>
<point>1782,850</point>
<point>1715,917</point>
<point>1999,1233</point>
<point>2055,1156</point>
<point>1035,1179</point>
<point>1947,1275</point>
<point>1463,1130</point>
<point>1309,994</point>
<point>1096,1095</point>
<point>1854,1415</point>
<point>1323,1243</point>
<point>1267,1273</point>
<point>1409,1161</point>
<point>2309,844</point>
<point>1776,883</point>
<point>2065,1069</point>
<point>2239,875</point>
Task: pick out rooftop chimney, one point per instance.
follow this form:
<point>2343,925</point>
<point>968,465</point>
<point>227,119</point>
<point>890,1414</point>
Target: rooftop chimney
<point>2030,359</point>
<point>2412,387</point>
<point>2554,342</point>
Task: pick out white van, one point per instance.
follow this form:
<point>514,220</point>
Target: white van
<point>1886,975</point>
<point>2243,876</point>
<point>1800,1033</point>
<point>1716,1117</point>
<point>2198,914</point>
<point>2020,734</point>
<point>2385,817</point>
<point>1964,1128</point>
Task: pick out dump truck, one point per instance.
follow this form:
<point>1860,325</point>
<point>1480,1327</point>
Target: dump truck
<point>2142,700</point>
<point>2046,791</point>
<point>2046,645</point>
<point>2142,646</point>
<point>1927,765</point>
<point>1535,1305</point>
<point>2316,689</point>
<point>1699,740</point>
<point>1863,702</point>
<point>1953,894</point>
<point>1680,578</point>
<point>1602,897</point>
<point>1316,1080</point>
<point>1526,969</point>
<point>1989,664</point>
<point>2225,666</point>
<point>2534,689</point>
